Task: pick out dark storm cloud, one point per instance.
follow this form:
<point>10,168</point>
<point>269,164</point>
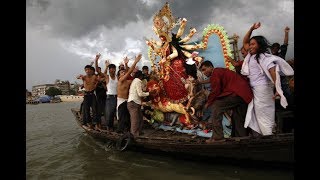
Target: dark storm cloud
<point>70,32</point>
<point>78,18</point>
<point>75,19</point>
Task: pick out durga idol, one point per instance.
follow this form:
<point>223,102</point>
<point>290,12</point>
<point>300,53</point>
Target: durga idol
<point>173,52</point>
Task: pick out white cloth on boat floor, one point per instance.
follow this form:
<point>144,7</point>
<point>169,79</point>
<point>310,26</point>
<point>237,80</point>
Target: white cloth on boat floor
<point>200,132</point>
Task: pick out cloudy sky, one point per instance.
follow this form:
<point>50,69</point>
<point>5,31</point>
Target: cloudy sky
<point>62,36</point>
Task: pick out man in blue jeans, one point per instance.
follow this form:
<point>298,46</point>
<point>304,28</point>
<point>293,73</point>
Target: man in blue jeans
<point>111,100</point>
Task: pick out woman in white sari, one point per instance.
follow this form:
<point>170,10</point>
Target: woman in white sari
<point>263,71</point>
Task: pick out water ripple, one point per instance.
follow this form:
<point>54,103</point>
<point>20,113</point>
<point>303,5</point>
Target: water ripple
<point>57,148</point>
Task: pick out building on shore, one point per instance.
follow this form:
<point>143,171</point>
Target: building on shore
<point>28,94</point>
<point>29,97</point>
<point>40,90</point>
<point>64,86</point>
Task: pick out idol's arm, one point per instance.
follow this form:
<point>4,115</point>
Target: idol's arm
<point>181,28</point>
<point>187,38</point>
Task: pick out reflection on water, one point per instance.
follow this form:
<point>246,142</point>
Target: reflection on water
<point>58,149</point>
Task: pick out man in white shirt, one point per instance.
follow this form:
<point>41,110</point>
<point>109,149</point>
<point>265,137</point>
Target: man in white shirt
<point>111,100</point>
<point>134,104</point>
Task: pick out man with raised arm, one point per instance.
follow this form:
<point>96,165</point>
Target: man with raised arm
<point>278,50</point>
<point>123,93</point>
<point>100,92</point>
<point>111,100</point>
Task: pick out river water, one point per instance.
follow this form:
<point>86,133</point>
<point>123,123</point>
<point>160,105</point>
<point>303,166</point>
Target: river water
<point>57,148</point>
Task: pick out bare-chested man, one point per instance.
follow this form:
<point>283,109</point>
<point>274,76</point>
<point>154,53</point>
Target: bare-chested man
<point>123,93</point>
<point>90,81</point>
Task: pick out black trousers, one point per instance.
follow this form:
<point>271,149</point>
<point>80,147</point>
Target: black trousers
<point>124,117</point>
<point>101,99</point>
<point>222,105</point>
<point>238,118</point>
<point>90,101</point>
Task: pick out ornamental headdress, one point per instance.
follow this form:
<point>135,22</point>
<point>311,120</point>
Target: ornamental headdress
<point>164,22</point>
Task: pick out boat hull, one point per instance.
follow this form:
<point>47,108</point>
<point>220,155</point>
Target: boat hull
<point>275,149</point>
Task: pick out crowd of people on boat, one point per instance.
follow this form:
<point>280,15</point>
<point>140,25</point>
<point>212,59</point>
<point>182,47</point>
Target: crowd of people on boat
<point>258,97</point>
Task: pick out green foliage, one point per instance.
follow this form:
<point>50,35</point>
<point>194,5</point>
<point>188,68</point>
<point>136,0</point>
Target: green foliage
<point>52,91</point>
<point>72,92</point>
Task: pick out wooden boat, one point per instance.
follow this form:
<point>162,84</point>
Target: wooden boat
<point>274,150</point>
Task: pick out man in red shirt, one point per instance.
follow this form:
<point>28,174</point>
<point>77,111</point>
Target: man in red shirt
<point>229,90</point>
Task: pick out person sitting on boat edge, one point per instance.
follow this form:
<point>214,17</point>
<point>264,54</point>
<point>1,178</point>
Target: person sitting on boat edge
<point>228,91</point>
<point>90,81</point>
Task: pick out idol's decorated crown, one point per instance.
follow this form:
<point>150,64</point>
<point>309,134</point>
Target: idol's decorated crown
<point>164,22</point>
